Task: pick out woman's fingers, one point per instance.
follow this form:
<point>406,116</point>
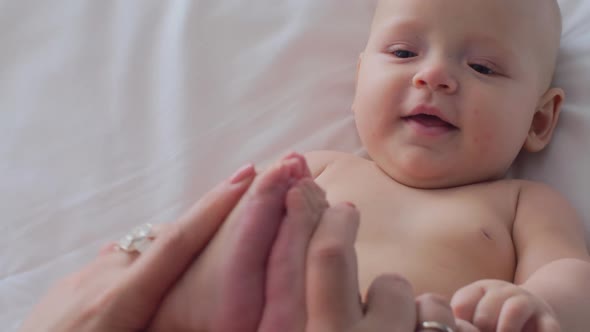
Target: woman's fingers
<point>120,291</point>
<point>332,281</point>
<point>228,278</point>
<point>390,302</point>
<point>245,244</point>
<point>434,309</point>
<point>465,300</point>
<point>147,279</point>
<point>284,308</point>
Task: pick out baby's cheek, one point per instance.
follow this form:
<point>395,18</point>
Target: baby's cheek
<point>486,134</point>
<point>493,151</point>
<point>482,140</point>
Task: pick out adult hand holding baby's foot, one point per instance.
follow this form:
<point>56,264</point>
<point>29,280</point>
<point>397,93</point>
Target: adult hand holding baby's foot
<point>224,288</point>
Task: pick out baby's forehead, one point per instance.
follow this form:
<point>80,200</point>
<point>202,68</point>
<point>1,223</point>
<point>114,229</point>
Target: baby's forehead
<point>465,21</point>
<point>529,26</point>
<point>545,11</point>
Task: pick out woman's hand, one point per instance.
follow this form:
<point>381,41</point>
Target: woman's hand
<point>120,291</point>
<point>283,261</point>
<point>253,269</point>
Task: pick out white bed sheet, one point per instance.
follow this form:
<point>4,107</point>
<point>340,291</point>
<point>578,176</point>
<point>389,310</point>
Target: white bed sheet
<point>114,113</point>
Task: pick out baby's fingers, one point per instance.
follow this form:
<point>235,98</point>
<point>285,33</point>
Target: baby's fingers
<point>548,323</point>
<point>465,326</point>
<point>465,300</point>
<point>515,312</point>
<point>488,310</point>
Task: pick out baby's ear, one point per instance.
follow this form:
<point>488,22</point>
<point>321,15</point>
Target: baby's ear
<point>544,120</point>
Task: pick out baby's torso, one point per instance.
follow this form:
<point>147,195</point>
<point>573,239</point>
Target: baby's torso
<point>440,240</point>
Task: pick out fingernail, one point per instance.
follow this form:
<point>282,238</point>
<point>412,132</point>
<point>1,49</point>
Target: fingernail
<point>245,172</point>
<point>291,155</point>
<point>295,166</point>
<point>351,204</point>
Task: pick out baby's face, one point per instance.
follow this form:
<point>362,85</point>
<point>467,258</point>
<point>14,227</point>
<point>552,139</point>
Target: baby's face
<point>447,89</point>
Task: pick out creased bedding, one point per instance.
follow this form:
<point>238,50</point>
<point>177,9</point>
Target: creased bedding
<point>114,113</point>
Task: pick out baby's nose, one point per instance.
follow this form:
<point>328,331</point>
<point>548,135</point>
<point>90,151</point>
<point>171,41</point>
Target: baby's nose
<point>436,77</point>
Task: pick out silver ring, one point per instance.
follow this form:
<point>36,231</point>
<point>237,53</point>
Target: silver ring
<point>137,240</point>
<point>434,326</point>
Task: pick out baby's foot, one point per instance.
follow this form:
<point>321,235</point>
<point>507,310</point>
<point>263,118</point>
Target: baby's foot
<point>223,290</point>
<point>284,308</point>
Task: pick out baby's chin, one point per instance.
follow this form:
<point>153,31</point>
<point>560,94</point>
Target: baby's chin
<point>435,179</point>
<point>425,183</point>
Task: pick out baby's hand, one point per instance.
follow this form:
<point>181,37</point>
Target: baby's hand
<point>496,305</point>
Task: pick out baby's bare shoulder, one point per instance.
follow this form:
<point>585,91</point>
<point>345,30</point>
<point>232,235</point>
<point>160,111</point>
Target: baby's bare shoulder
<point>531,192</point>
<point>498,193</point>
<point>538,199</point>
<point>319,160</point>
<point>539,203</point>
<point>546,228</point>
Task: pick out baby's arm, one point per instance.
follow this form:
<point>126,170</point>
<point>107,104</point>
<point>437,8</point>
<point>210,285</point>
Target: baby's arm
<point>319,160</point>
<point>553,262</point>
<point>552,276</point>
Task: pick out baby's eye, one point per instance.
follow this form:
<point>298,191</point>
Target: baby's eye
<point>403,54</point>
<point>482,69</point>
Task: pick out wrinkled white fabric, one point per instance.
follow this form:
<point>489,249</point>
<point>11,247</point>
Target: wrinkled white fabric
<point>115,113</point>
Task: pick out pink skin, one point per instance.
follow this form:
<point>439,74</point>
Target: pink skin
<point>253,276</point>
<point>224,289</point>
<point>285,306</point>
<point>122,292</point>
<point>245,264</point>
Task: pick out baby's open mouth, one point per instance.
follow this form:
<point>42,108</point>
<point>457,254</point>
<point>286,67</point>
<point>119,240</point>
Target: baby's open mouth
<point>429,121</point>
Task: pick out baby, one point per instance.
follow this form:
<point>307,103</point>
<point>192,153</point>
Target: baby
<point>448,93</point>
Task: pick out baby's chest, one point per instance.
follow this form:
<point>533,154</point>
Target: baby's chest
<point>467,230</point>
<point>450,219</point>
<point>481,209</point>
